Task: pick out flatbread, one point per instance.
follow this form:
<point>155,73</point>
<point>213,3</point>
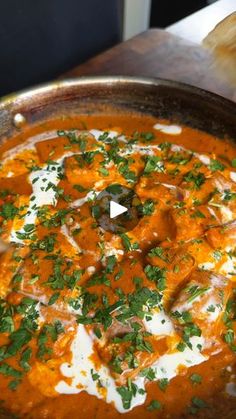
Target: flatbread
<point>221,41</point>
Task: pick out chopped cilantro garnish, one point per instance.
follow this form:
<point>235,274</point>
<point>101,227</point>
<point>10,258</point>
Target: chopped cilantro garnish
<point>196,179</point>
<point>104,137</point>
<point>148,373</point>
<point>148,207</point>
<point>95,376</point>
<point>217,254</point>
<point>98,279</point>
<point>216,165</point>
<point>176,269</point>
<point>179,204</point>
<point>190,330</point>
<point>196,291</point>
<point>48,220</point>
<point>28,233</point>
<point>103,171</point>
<point>147,136</point>
<point>18,339</point>
<point>229,336</point>
<point>153,164</point>
<point>17,278</point>
<point>228,195</point>
<point>163,383</point>
<point>233,162</point>
<point>8,211</point>
<point>75,138</point>
<point>181,346</point>
<point>159,252</point>
<point>127,393</point>
<point>49,333</point>
<point>114,189</point>
<point>179,158</point>
<point>47,243</point>
<point>183,317</point>
<point>25,357</point>
<point>143,136</point>
<point>154,405</point>
<point>129,246</point>
<point>211,308</point>
<point>97,332</point>
<point>53,298</point>
<point>128,174</point>
<point>165,146</point>
<point>197,404</point>
<point>118,275</point>
<point>157,275</point>
<point>7,370</point>
<point>196,378</point>
<point>198,214</point>
<point>12,385</point>
<point>96,211</point>
<point>6,320</point>
<point>137,282</point>
<point>79,188</point>
<point>110,263</point>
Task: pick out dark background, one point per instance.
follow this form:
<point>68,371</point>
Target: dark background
<point>166,12</point>
<point>41,39</point>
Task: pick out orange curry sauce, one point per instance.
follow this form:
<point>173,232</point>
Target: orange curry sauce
<point>61,273</point>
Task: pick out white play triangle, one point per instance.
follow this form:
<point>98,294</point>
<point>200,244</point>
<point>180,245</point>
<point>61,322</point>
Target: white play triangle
<point>116,209</point>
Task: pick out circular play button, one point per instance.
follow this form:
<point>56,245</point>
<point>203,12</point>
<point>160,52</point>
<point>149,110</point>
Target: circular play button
<point>117,209</point>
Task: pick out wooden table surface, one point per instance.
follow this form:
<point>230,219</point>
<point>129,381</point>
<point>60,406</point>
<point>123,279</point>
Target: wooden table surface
<point>196,26</point>
<point>157,53</point>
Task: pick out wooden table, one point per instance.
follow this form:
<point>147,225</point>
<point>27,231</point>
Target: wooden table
<point>157,53</point>
<point>196,26</point>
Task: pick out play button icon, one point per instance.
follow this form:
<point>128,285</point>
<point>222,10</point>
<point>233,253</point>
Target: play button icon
<point>117,209</point>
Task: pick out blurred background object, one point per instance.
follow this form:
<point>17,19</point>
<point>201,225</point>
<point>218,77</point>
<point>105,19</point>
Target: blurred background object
<point>41,40</point>
<point>221,41</point>
<point>196,26</point>
<point>136,17</point>
<point>166,12</point>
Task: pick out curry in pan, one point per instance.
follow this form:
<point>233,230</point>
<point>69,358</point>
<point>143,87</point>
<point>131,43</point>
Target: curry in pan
<point>133,324</point>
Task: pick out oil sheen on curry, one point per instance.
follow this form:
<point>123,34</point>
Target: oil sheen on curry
<point>138,324</point>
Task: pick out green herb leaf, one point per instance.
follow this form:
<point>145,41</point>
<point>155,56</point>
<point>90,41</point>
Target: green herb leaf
<point>196,179</point>
<point>229,336</point>
<point>148,373</point>
<point>8,211</point>
<point>198,214</point>
<point>216,165</point>
<point>114,189</point>
<point>159,252</point>
<point>25,357</point>
<point>233,162</point>
<point>53,298</point>
<point>127,393</point>
<point>148,207</point>
<point>153,164</point>
<point>79,188</point>
<point>110,263</point>
<point>7,370</point>
<point>154,405</point>
<point>196,378</point>
<point>103,171</point>
<point>157,275</point>
<point>195,291</point>
<point>163,383</point>
<point>197,404</point>
<point>129,246</point>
